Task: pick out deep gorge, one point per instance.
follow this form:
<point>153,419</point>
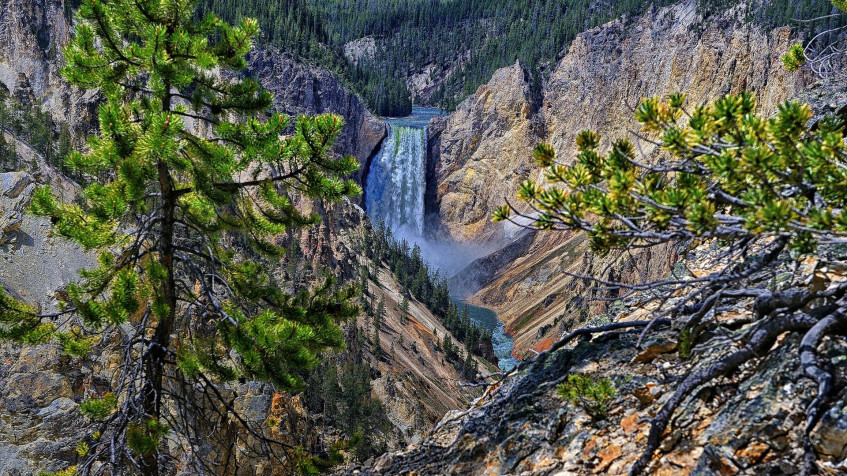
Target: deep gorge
<point>395,191</point>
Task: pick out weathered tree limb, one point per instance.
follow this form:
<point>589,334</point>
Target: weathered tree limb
<point>761,340</point>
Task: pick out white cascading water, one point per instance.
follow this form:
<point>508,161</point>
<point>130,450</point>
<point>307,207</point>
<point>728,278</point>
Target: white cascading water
<point>397,180</point>
<point>394,194</point>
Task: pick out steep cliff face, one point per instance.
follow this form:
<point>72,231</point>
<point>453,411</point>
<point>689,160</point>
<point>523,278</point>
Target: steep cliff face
<point>482,152</point>
<point>608,70</point>
<point>303,89</point>
<point>485,148</point>
<point>416,382</point>
<point>604,73</point>
<point>32,35</point>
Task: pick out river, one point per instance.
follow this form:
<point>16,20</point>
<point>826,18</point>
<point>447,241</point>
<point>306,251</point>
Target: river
<point>502,342</point>
<point>394,194</point>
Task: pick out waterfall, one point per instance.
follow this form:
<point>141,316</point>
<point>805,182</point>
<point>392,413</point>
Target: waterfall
<point>394,194</point>
<point>397,179</point>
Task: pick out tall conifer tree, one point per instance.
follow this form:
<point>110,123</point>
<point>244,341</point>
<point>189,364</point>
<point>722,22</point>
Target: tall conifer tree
<point>187,170</point>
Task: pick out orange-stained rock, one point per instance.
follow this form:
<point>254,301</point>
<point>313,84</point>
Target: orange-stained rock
<point>543,345</point>
<point>647,394</point>
<point>588,449</point>
<point>753,453</point>
<point>607,455</point>
<point>630,424</point>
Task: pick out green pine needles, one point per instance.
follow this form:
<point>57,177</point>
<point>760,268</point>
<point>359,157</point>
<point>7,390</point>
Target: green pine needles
<point>725,173</point>
<point>763,192</point>
<point>824,51</point>
<point>594,394</point>
<point>190,181</point>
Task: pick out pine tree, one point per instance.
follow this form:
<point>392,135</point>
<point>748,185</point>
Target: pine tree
<point>363,280</point>
<point>447,345</point>
<point>767,192</point>
<point>164,207</point>
<point>404,309</point>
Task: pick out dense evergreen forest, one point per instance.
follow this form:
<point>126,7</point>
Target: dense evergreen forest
<point>30,124</point>
<point>475,37</point>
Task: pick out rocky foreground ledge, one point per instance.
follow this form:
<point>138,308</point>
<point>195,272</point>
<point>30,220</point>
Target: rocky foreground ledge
<point>751,423</point>
<point>754,427</point>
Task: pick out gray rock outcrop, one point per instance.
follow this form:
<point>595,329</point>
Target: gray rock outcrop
<point>299,88</point>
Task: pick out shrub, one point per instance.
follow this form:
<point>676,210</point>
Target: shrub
<point>593,394</point>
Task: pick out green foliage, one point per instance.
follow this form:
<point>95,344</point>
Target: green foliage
<point>186,224</point>
<point>143,438</point>
<point>75,344</point>
<point>725,172</point>
<point>794,57</point>
<point>147,144</point>
<point>99,408</point>
<point>313,464</point>
<point>19,322</point>
<point>300,27</point>
<point>822,30</point>
<point>340,389</point>
<point>70,471</point>
<point>494,33</point>
<point>35,128</point>
<point>82,448</point>
<point>686,343</point>
<point>593,394</point>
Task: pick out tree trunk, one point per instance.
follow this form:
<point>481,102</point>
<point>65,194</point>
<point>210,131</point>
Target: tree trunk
<point>159,343</point>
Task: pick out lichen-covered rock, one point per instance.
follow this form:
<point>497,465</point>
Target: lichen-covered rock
<point>749,426</point>
<point>40,422</point>
<point>750,421</point>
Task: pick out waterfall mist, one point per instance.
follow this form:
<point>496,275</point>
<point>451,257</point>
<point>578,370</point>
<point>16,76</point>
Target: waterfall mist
<point>395,189</point>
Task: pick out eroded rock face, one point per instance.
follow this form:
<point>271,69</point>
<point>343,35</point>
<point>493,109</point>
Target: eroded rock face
<point>39,417</point>
<point>40,388</point>
<point>302,89</point>
<point>33,262</point>
<point>485,148</point>
<point>482,152</point>
<point>32,35</point>
<point>606,71</point>
<point>15,190</point>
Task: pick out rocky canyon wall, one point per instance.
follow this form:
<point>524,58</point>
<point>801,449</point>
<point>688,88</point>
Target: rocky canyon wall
<point>485,148</point>
<point>40,388</point>
<point>301,88</point>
